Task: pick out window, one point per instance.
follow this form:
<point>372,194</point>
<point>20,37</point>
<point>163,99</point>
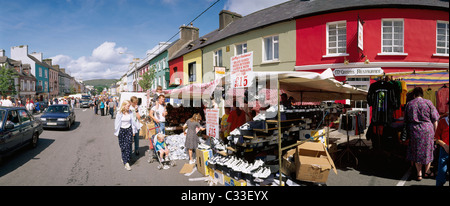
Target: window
<point>24,117</point>
<point>45,73</point>
<point>241,49</point>
<point>40,72</point>
<point>392,38</point>
<point>442,38</point>
<point>13,117</point>
<point>337,38</point>
<point>191,72</point>
<point>271,50</point>
<point>218,58</point>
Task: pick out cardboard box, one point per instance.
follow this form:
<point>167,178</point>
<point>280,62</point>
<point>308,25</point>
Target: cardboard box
<point>288,167</point>
<point>312,162</point>
<point>229,181</point>
<point>219,177</point>
<point>202,156</point>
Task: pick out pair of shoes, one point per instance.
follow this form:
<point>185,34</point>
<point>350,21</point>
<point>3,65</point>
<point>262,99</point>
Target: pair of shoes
<point>127,166</point>
<point>191,162</point>
<point>262,172</point>
<point>203,146</point>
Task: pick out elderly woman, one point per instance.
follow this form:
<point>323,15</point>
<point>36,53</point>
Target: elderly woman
<point>421,118</point>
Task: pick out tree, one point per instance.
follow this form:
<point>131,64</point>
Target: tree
<point>7,86</point>
<point>147,79</point>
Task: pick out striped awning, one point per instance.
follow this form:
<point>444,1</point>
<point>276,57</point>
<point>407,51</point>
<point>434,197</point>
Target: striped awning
<point>424,79</point>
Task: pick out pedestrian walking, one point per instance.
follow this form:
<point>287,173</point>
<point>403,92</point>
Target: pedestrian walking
<point>96,106</point>
<point>442,140</point>
<point>102,107</point>
<point>191,137</point>
<point>421,123</point>
<point>136,117</point>
<point>125,128</point>
<point>111,108</point>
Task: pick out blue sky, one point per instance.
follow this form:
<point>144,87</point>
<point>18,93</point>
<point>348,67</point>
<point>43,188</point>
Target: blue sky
<point>86,36</point>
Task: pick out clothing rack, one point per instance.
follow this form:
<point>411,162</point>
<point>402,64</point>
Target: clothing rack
<point>347,150</point>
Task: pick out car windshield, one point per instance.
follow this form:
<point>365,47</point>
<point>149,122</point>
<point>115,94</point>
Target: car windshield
<point>2,116</point>
<point>58,109</point>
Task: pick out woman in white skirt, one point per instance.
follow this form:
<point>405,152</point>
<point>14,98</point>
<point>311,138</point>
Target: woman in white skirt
<point>125,128</point>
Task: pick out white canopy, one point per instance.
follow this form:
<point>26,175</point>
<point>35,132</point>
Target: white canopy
<point>303,86</point>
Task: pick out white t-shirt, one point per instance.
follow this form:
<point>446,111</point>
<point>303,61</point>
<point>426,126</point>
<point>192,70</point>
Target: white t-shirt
<point>126,121</point>
<point>7,103</point>
<point>158,111</point>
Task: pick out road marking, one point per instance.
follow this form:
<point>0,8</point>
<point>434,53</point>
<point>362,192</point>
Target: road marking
<point>405,177</point>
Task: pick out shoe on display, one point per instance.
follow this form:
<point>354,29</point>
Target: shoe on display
<point>235,132</point>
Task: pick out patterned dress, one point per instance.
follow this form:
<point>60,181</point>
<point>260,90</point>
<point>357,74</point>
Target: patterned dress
<point>420,115</point>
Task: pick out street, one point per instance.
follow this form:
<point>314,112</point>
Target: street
<point>86,155</point>
<point>89,155</point>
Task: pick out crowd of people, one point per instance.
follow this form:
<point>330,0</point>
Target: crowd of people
<point>36,106</point>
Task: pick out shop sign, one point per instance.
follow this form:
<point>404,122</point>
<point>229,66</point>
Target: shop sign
<point>358,72</point>
<point>212,123</point>
<point>360,36</point>
<point>219,72</point>
<point>241,70</point>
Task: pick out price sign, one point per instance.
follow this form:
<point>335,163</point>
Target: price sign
<point>241,70</point>
<point>212,123</point>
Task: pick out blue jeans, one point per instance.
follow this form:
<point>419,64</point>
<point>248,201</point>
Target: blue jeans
<point>136,141</point>
<point>442,168</point>
<point>160,128</point>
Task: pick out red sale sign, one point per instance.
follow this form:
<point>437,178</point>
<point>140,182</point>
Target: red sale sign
<point>212,123</point>
<point>241,70</point>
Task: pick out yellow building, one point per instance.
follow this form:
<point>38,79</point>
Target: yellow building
<point>192,64</point>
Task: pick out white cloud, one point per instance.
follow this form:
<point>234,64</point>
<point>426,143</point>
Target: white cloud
<point>245,7</point>
<point>106,62</point>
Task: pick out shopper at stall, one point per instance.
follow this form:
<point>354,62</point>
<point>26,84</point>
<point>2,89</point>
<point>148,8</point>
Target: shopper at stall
<point>442,140</point>
<point>191,137</point>
<point>421,121</point>
<point>125,128</point>
<point>237,117</point>
<point>158,113</point>
<point>224,124</point>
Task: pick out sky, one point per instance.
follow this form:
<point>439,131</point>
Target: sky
<point>97,39</point>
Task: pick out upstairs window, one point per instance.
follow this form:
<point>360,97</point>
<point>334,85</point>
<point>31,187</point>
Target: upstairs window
<point>218,62</point>
<point>271,50</point>
<point>337,38</point>
<point>192,72</point>
<point>442,38</point>
<point>241,49</point>
<point>392,39</point>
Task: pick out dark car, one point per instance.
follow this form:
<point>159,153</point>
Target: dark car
<point>58,116</point>
<point>17,129</point>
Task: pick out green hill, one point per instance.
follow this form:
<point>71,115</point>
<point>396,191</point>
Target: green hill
<point>101,82</point>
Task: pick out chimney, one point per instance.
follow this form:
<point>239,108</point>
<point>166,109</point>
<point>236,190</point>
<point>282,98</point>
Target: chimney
<point>48,61</point>
<point>37,55</point>
<point>63,70</point>
<point>19,52</point>
<point>188,33</point>
<point>227,17</point>
<point>2,52</point>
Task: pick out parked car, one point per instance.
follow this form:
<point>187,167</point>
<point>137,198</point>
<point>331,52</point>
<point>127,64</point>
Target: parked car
<point>18,128</point>
<point>58,116</point>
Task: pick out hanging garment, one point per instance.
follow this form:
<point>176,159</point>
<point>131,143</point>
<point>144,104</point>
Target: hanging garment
<point>383,97</point>
<point>442,100</point>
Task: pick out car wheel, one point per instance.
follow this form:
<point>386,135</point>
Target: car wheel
<point>34,140</point>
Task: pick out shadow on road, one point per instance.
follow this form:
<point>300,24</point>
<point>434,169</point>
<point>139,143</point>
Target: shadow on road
<point>22,156</point>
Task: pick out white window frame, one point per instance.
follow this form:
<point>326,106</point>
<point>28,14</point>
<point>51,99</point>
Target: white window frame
<point>392,53</point>
<point>242,50</point>
<point>446,37</point>
<point>328,54</point>
<point>273,42</point>
<point>40,72</point>
<point>218,57</point>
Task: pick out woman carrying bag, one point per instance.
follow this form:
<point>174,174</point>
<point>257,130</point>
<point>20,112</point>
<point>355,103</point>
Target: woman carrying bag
<point>125,128</point>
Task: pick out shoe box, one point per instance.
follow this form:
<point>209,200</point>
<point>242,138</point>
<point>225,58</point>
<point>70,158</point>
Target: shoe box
<point>230,181</point>
<point>202,156</point>
<point>312,162</point>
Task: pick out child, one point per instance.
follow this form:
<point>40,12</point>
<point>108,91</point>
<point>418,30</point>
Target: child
<point>161,147</point>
